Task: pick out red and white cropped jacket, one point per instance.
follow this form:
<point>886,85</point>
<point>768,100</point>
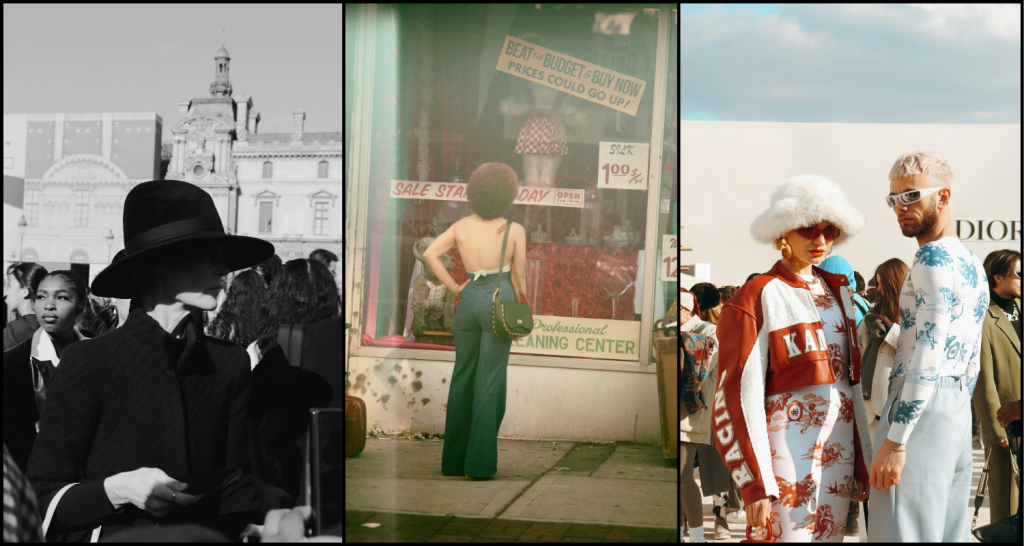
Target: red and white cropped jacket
<point>771,342</point>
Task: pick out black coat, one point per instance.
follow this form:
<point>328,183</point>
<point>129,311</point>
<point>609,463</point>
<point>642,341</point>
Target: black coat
<point>19,330</point>
<point>139,397</point>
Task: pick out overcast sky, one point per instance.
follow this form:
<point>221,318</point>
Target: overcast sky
<point>851,63</point>
<point>143,58</point>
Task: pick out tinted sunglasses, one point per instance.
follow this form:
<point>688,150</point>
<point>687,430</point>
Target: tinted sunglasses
<point>811,233</point>
<point>1017,273</point>
<point>910,197</point>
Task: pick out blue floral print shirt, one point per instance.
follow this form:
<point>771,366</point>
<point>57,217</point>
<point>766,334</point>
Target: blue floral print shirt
<point>942,308</point>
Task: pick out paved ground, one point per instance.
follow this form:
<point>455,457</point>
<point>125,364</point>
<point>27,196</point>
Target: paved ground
<point>544,492</point>
<point>596,490</point>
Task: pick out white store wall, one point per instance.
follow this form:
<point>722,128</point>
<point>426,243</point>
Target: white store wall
<point>541,403</point>
<point>729,169</point>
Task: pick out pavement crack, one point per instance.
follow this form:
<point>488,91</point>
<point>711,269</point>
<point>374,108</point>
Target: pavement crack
<point>532,483</point>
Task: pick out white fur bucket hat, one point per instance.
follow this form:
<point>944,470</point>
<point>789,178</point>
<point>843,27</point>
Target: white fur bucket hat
<point>804,201</point>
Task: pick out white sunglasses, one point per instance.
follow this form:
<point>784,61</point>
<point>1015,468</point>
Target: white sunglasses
<point>910,197</point>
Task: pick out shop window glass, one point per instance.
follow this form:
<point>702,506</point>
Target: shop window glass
<point>467,84</point>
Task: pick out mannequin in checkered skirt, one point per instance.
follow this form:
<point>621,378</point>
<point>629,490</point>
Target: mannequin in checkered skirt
<point>542,141</point>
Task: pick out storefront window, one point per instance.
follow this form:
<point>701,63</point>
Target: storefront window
<point>566,95</point>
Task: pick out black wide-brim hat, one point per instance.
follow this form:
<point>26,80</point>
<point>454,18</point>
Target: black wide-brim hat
<point>161,212</point>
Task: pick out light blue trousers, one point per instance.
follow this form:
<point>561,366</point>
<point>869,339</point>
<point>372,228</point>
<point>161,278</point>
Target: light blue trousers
<point>930,504</point>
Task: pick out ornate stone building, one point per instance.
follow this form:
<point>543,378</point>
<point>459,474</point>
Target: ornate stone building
<point>281,187</point>
<point>77,170</point>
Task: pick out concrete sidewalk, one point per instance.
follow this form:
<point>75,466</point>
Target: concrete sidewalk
<point>621,484</point>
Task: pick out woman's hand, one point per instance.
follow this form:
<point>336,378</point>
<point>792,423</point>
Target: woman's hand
<point>887,466</point>
<point>149,489</point>
<point>1008,413</point>
<point>1004,443</point>
<point>459,288</point>
<point>757,512</point>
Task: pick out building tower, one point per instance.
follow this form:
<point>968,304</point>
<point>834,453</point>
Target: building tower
<point>221,86</point>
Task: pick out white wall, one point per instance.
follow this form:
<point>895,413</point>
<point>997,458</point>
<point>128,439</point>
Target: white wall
<point>728,170</point>
<point>541,403</point>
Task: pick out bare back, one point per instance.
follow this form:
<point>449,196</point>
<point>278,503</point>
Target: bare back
<point>479,243</point>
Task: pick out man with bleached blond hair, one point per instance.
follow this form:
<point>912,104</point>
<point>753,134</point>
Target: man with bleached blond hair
<point>922,464</point>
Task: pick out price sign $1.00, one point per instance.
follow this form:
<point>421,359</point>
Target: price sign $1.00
<point>623,165</point>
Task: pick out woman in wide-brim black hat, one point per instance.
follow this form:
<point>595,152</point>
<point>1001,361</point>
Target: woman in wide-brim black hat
<point>155,400</point>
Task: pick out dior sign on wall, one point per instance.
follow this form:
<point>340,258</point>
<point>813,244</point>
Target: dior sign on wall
<point>988,230</point>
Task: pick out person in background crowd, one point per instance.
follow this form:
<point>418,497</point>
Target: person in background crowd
<point>303,292</point>
<point>877,335</point>
<point>20,294</point>
<point>924,445</point>
<point>30,368</point>
<point>727,292</point>
<point>751,277</point>
<point>695,431</point>
<point>5,306</point>
<point>839,266</point>
<point>871,294</point>
<point>327,258</point>
<point>708,299</point>
<point>21,511</point>
<point>789,355</point>
<point>861,287</point>
<point>269,268</point>
<point>243,312</point>
<point>1000,375</point>
<point>140,407</point>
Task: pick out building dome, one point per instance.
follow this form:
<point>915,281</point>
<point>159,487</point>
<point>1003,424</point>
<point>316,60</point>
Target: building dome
<point>222,53</point>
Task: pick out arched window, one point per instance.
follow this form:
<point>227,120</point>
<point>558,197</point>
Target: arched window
<point>323,169</point>
<point>29,255</point>
<point>79,257</point>
<point>268,169</point>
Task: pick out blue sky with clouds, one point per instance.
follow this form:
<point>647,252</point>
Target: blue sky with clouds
<point>879,63</point>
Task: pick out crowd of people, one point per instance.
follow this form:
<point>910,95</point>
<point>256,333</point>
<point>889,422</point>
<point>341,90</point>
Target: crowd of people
<point>118,396</point>
<point>825,395</point>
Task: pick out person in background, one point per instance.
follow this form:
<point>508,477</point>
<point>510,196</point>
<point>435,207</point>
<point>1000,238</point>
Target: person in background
<point>22,521</point>
<point>999,379</point>
<point>303,292</point>
<point>708,299</point>
<point>31,367</point>
<point>751,277</point>
<point>695,431</point>
<point>727,292</point>
<point>839,266</point>
<point>269,268</point>
<point>861,287</point>
<point>5,306</point>
<point>877,335</point>
<point>327,258</point>
<point>20,294</point>
<point>243,311</point>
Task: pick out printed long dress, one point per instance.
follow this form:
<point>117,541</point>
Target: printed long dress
<point>810,433</point>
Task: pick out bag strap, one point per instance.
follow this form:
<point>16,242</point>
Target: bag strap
<point>501,259</point>
<point>979,498</point>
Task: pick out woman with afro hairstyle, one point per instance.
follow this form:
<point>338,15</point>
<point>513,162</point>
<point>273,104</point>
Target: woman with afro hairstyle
<point>476,400</point>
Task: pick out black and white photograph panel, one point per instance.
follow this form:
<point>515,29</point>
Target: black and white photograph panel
<point>172,242</point>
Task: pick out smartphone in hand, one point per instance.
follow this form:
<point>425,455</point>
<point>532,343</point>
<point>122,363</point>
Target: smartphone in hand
<point>210,481</point>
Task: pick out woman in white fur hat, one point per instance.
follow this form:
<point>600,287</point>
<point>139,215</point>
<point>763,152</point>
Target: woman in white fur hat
<point>789,416</point>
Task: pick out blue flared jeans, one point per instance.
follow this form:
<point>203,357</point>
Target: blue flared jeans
<point>476,399</point>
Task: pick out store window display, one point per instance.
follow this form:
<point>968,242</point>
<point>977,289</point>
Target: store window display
<point>546,89</point>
